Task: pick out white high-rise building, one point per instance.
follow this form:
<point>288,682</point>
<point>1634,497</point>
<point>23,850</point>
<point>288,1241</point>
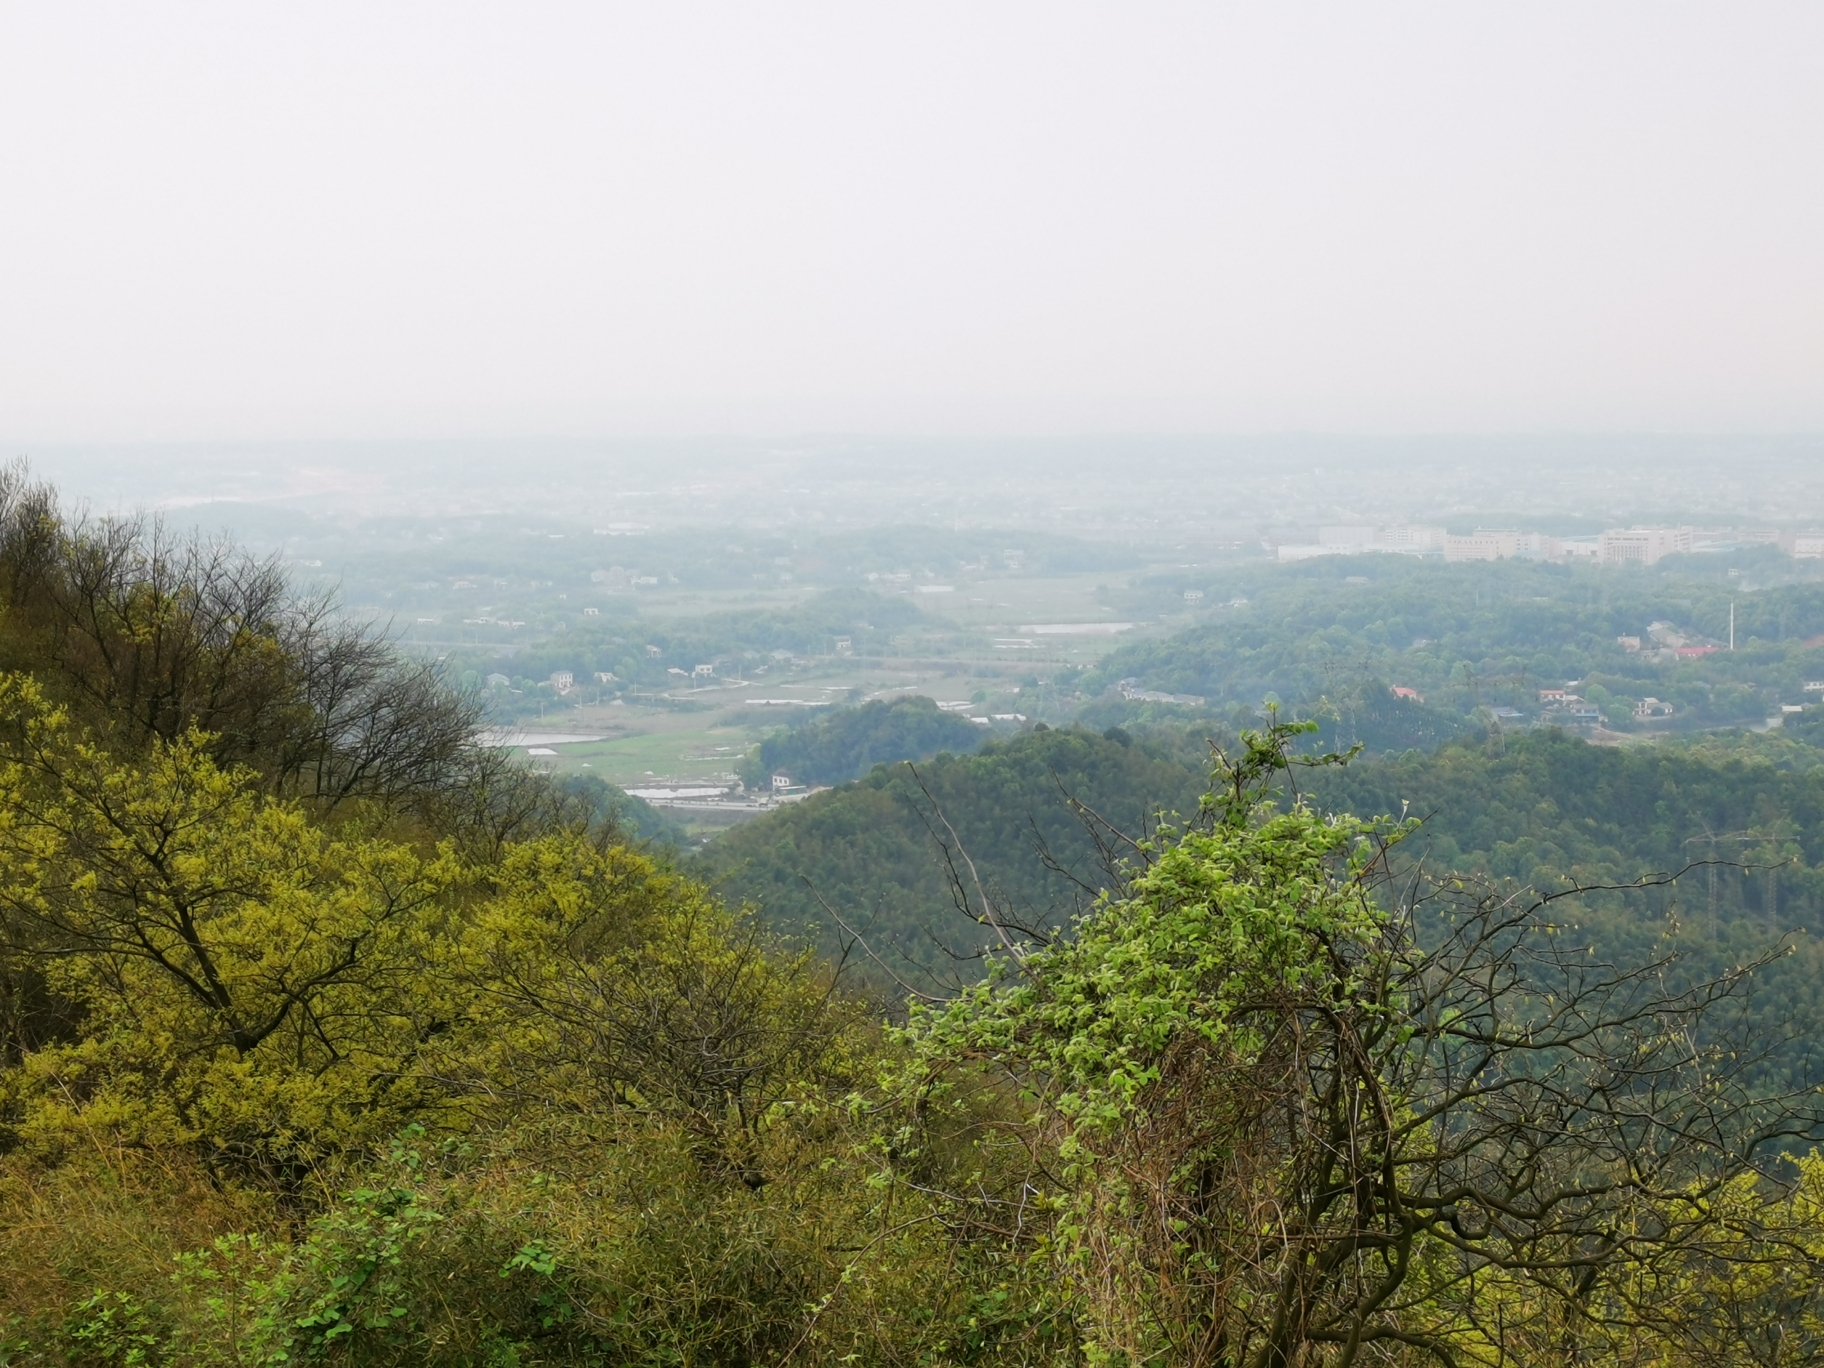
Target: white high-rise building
<point>1482,544</point>
<point>1412,539</point>
<point>1643,545</point>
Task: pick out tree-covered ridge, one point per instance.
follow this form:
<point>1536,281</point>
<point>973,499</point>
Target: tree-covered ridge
<point>1544,810</point>
<point>871,852</point>
<point>845,743</point>
<point>1551,812</point>
<point>1489,634</point>
<point>1547,808</point>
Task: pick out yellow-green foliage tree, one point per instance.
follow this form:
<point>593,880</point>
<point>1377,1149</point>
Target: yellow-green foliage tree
<point>246,983</point>
<point>629,1117</point>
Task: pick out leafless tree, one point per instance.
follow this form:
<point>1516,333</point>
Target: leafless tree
<point>147,635</point>
<point>379,725</point>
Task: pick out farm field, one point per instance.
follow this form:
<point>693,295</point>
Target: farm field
<point>967,648</point>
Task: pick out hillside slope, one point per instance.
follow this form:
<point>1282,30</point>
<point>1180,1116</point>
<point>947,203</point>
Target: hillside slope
<point>845,743</point>
<point>867,849</point>
<point>1543,809</point>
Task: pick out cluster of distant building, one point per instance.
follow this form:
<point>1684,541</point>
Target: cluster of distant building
<point>1130,690</point>
<point>618,579</point>
<point>1615,546</point>
<point>1561,707</point>
<point>1665,643</point>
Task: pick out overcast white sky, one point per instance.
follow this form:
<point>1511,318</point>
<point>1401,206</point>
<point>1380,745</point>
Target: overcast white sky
<point>394,219</point>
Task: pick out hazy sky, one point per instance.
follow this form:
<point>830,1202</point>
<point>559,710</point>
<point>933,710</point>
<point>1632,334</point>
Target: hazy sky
<point>374,219</point>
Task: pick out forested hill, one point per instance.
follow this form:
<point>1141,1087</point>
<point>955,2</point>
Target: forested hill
<point>1550,812</point>
<point>1544,809</point>
<point>868,852</point>
<point>1547,809</point>
<point>846,743</point>
<point>1481,634</point>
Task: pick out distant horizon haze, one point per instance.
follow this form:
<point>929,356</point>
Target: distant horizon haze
<point>1125,487</point>
<point>466,221</point>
